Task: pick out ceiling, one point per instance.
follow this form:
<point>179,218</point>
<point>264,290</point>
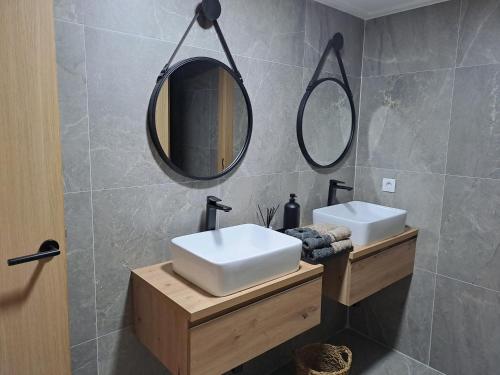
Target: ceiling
<point>367,9</point>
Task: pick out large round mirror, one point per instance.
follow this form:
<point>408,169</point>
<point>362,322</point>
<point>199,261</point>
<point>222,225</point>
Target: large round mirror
<point>326,122</point>
<point>200,118</point>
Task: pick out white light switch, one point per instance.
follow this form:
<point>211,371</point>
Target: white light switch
<point>389,185</point>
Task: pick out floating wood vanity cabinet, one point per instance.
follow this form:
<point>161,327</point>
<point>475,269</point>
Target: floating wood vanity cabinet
<point>367,269</point>
<point>194,333</point>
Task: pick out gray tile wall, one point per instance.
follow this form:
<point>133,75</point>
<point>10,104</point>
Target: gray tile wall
<point>430,117</point>
<point>122,206</point>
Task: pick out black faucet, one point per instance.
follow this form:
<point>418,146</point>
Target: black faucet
<point>211,211</point>
<point>332,191</point>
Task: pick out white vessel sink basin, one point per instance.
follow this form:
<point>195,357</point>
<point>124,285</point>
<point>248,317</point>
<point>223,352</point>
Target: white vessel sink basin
<point>228,260</point>
<point>368,222</point>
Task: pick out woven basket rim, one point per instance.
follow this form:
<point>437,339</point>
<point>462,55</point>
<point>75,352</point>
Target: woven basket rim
<point>336,351</point>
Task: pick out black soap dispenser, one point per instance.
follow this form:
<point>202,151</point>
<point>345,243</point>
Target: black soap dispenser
<point>291,217</point>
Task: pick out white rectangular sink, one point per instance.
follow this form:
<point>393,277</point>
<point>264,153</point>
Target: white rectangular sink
<point>228,260</point>
<point>368,222</point>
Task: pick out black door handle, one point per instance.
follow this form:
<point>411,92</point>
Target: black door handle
<point>48,249</point>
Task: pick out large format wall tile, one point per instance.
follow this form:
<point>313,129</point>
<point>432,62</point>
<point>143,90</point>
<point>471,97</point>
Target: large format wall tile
<point>263,29</point>
<point>313,189</point>
<point>465,333</point>
<point>72,82</point>
<point>421,194</point>
<point>81,287</point>
<point>275,91</point>
<point>132,228</point>
<point>322,22</point>
<point>404,121</point>
<point>84,358</point>
<point>122,72</point>
<point>412,41</point>
<point>120,353</point>
<point>68,10</point>
<point>400,315</point>
<point>474,146</point>
<point>469,232</point>
<point>479,33</point>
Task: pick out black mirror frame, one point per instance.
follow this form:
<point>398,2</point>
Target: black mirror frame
<point>151,119</point>
<point>336,43</point>
<point>300,117</point>
<point>207,12</point>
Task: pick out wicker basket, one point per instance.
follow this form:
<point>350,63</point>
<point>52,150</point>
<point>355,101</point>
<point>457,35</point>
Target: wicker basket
<point>323,359</point>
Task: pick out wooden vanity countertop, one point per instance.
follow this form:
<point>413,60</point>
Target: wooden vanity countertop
<point>363,251</point>
<point>198,305</point>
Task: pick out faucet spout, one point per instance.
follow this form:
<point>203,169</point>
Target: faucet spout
<point>211,211</point>
<point>332,191</point>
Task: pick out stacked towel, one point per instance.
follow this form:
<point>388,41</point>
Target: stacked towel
<point>321,241</point>
<point>335,232</point>
<point>316,242</point>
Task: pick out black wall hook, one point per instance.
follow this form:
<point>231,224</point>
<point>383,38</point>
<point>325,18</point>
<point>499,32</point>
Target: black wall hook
<point>207,12</point>
<point>211,9</point>
<point>338,42</point>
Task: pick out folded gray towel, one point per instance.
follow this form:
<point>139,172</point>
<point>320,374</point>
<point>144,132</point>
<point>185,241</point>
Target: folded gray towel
<point>319,241</point>
<point>316,242</point>
<point>302,233</point>
<point>320,255</point>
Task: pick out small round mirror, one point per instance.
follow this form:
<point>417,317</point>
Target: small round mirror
<point>326,122</point>
<point>200,118</point>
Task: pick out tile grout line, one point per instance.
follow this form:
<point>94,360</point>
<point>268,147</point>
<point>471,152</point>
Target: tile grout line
<point>361,79</point>
<point>469,283</point>
<point>444,182</point>
<point>359,107</point>
<point>411,72</point>
<point>114,331</point>
<point>401,170</point>
<point>432,315</point>
<point>306,5</point>
<point>453,67</point>
<point>221,52</point>
<point>477,66</point>
<point>91,197</point>
<point>57,19</point>
<point>83,343</point>
<point>189,182</point>
<point>424,270</point>
<point>458,280</point>
<point>428,173</point>
<point>473,177</point>
<point>76,192</point>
